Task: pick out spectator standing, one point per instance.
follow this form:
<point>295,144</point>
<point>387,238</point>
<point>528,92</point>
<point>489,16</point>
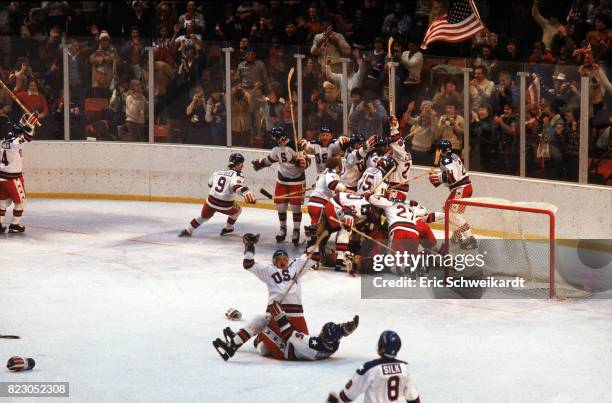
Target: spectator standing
<point>369,117</point>
<point>252,74</point>
<point>104,63</point>
<point>397,23</point>
<point>330,45</point>
<point>447,94</point>
<point>422,133</point>
<point>482,148</point>
<point>196,115</point>
<point>135,106</point>
<point>506,137</point>
<point>412,60</point>
<point>549,27</point>
<point>215,116</point>
<point>451,127</point>
<point>480,89</point>
<point>193,17</point>
<point>243,106</point>
<point>133,54</point>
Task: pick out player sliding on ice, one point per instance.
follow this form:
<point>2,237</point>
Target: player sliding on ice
<point>224,185</point>
<point>12,188</point>
<point>383,380</point>
<point>288,343</point>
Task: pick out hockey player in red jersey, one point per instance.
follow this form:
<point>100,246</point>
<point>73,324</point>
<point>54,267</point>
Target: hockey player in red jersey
<point>286,342</point>
<point>454,175</point>
<point>290,181</point>
<point>12,186</point>
<point>224,185</point>
<point>383,380</point>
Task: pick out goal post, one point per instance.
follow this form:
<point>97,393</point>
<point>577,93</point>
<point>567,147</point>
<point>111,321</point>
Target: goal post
<point>519,237</point>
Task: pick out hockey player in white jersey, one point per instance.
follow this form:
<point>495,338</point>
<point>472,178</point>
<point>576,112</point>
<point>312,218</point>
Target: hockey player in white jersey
<point>453,174</point>
<point>290,181</point>
<point>373,178</point>
<point>403,160</point>
<point>12,186</point>
<point>384,380</point>
<point>325,147</point>
<point>354,163</point>
<point>327,185</point>
<point>286,342</point>
<point>278,277</point>
<point>225,185</point>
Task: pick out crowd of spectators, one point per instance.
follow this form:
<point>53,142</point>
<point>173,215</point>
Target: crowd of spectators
<point>556,43</point>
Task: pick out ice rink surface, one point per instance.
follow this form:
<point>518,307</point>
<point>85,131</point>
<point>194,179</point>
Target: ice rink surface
<point>105,296</point>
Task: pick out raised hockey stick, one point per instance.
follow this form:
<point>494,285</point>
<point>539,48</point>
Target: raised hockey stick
<point>289,77</point>
<point>8,336</point>
<point>299,272</point>
<point>17,100</point>
<point>384,179</point>
<point>391,84</point>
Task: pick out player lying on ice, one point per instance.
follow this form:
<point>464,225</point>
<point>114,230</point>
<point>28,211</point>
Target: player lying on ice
<point>287,344</point>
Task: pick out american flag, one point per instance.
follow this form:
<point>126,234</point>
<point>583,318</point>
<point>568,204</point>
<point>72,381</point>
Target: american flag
<point>533,92</point>
<point>460,23</point>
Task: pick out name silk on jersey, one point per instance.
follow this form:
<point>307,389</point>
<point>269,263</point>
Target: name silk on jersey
<point>11,158</point>
<point>224,185</point>
<point>385,380</point>
<point>288,172</point>
<point>278,281</point>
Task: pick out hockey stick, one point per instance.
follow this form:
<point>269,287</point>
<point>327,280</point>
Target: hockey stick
<point>363,234</point>
<point>271,196</point>
<point>391,84</point>
<point>289,77</point>
<point>9,336</point>
<point>299,272</point>
<point>17,100</point>
<point>384,179</point>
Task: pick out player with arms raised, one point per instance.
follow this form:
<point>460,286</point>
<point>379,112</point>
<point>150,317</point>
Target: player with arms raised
<point>290,181</point>
<point>374,177</point>
<point>224,185</point>
<point>12,187</point>
<point>325,147</point>
<point>354,164</point>
<point>278,277</point>
<point>453,174</point>
<point>403,159</point>
<point>383,380</point>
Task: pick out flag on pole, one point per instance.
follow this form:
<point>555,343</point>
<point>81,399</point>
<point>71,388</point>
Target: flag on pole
<point>533,92</point>
<point>460,23</point>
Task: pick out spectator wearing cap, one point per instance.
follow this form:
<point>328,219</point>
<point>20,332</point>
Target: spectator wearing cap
<point>194,17</point>
<point>330,45</point>
<point>396,23</point>
<point>215,116</point>
<point>369,117</point>
<point>104,62</point>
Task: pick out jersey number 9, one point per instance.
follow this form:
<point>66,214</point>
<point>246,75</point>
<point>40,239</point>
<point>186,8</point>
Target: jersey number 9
<point>220,184</point>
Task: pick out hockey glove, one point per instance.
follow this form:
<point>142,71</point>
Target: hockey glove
<point>257,164</point>
<point>249,197</point>
<point>347,222</point>
<point>302,144</point>
<point>249,241</point>
<point>435,179</point>
<point>349,327</point>
<point>332,398</point>
<point>233,314</point>
<point>371,142</point>
<point>344,142</point>
<point>17,363</point>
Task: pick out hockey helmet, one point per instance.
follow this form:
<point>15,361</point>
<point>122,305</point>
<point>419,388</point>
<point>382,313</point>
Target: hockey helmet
<point>386,163</point>
<point>236,158</point>
<point>279,134</point>
<point>389,344</point>
<point>444,145</point>
<point>357,139</point>
<point>325,135</point>
<point>330,333</point>
<point>278,253</point>
<point>397,196</point>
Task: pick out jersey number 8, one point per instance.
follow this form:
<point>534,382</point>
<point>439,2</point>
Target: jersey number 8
<point>393,388</point>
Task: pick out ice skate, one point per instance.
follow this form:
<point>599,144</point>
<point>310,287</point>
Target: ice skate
<point>16,228</point>
<point>282,234</point>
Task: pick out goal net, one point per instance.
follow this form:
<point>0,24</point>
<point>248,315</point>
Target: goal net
<point>517,239</point>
